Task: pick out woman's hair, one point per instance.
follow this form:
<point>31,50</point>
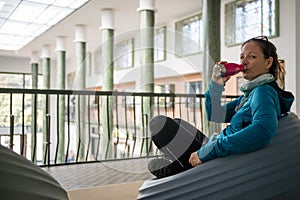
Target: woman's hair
<point>269,50</point>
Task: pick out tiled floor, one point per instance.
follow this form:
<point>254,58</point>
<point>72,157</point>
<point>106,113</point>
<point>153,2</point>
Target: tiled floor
<point>79,176</point>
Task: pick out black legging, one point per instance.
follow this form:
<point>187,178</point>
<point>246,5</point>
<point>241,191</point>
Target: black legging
<point>176,138</point>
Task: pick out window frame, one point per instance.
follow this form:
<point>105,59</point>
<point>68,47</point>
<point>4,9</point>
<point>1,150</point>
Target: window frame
<point>179,52</point>
<point>156,47</point>
<point>164,101</point>
<point>234,41</point>
<point>194,87</point>
<point>97,61</point>
<point>118,56</point>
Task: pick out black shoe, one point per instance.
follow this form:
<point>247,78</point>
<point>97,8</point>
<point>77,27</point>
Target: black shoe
<point>161,167</point>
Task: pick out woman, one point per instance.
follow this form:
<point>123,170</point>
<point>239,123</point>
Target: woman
<point>253,117</point>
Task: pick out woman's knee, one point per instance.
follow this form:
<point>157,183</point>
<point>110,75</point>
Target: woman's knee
<point>163,129</point>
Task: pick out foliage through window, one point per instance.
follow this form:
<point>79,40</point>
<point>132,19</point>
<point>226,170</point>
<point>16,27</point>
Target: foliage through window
<point>160,44</point>
<point>165,89</point>
<point>21,81</point>
<point>189,35</point>
<point>125,53</point>
<point>250,18</point>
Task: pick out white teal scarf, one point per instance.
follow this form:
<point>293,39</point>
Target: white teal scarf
<point>247,87</point>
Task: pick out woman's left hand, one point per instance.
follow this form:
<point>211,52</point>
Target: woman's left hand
<point>194,159</point>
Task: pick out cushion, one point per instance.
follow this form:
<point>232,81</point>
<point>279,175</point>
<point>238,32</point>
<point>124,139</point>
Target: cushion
<point>269,173</point>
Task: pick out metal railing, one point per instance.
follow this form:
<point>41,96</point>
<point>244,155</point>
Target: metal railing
<point>32,123</point>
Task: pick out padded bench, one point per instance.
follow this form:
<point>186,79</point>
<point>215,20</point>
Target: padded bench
<point>269,173</point>
<point>20,179</point>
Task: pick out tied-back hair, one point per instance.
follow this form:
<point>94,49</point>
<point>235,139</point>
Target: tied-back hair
<point>269,50</point>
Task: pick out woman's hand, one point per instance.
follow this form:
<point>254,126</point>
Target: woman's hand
<point>194,159</point>
<point>220,80</point>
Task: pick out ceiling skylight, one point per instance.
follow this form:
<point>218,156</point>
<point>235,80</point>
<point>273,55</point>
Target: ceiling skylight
<point>23,20</point>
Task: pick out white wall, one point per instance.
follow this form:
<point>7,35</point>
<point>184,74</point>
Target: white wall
<point>297,55</point>
<point>15,64</point>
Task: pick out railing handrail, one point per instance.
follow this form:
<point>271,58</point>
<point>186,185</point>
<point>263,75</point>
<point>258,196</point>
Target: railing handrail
<point>129,128</point>
<point>102,93</point>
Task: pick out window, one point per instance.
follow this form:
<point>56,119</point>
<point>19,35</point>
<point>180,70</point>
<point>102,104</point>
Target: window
<point>128,100</point>
<point>188,35</point>
<point>160,44</point>
<point>193,88</point>
<point>21,81</point>
<point>165,101</point>
<point>16,80</point>
<point>249,18</point>
<point>97,61</point>
<point>88,62</point>
<point>125,54</point>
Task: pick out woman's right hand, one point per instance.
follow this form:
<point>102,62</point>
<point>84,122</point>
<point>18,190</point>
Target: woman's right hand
<point>220,80</point>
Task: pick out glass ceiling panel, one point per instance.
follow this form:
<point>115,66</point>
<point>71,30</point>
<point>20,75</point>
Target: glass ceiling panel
<point>33,30</point>
<point>6,9</point>
<point>69,3</point>
<point>43,1</point>
<point>13,41</point>
<point>39,30</point>
<point>13,27</point>
<point>27,12</point>
<point>23,20</point>
<point>52,15</point>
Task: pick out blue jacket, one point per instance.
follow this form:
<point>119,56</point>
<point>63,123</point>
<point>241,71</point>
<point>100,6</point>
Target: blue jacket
<point>251,127</point>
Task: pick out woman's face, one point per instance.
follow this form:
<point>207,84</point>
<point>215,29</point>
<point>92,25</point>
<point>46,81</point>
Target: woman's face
<point>256,64</point>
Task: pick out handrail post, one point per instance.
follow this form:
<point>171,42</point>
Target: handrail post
<point>145,132</point>
<point>48,118</point>
<point>11,134</point>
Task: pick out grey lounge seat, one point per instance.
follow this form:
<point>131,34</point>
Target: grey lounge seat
<point>269,173</point>
<point>20,179</point>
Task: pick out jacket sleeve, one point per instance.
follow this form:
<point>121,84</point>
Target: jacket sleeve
<point>264,111</point>
<point>215,111</point>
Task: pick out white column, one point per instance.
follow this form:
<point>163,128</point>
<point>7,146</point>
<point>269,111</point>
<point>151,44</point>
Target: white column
<point>147,5</point>
<point>34,71</point>
<point>46,65</point>
<point>60,81</point>
<point>34,57</point>
<point>107,29</point>
<point>146,55</point>
<point>107,18</point>
<point>45,51</point>
<point>80,33</point>
<point>80,42</point>
<point>60,43</point>
<point>61,61</point>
